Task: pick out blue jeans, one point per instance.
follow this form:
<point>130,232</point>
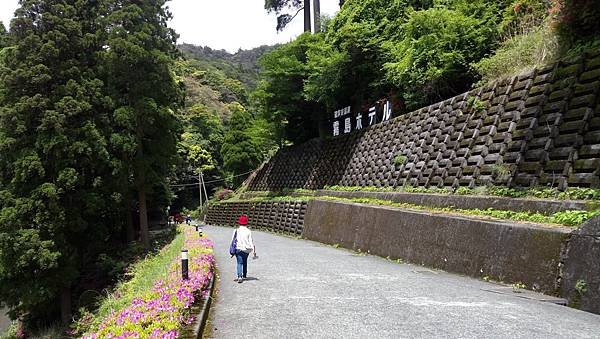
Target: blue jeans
<point>242,263</point>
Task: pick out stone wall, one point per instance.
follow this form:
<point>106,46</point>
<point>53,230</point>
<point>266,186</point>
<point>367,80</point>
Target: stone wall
<point>281,216</point>
<point>538,128</point>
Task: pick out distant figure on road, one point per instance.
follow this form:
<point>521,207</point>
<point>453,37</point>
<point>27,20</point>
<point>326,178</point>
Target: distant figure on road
<point>243,247</point>
<point>188,219</point>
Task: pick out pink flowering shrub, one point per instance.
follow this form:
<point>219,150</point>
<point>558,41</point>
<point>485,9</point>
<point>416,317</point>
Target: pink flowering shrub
<point>223,194</point>
<point>165,309</point>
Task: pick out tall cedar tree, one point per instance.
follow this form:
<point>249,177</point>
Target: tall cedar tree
<point>138,59</point>
<point>3,36</point>
<point>54,156</point>
<point>283,20</point>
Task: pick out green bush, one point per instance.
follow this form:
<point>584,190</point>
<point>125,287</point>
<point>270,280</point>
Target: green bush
<point>433,60</point>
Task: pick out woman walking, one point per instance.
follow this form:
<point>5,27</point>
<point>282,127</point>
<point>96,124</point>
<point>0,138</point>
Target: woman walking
<point>243,247</point>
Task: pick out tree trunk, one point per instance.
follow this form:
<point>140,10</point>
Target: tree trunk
<point>317,14</point>
<point>65,305</point>
<point>129,229</point>
<point>145,235</point>
<point>307,21</point>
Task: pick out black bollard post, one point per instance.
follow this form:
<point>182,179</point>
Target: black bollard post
<point>184,265</point>
<point>200,232</point>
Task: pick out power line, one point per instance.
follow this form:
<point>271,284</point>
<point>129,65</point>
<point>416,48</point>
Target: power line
<point>209,182</point>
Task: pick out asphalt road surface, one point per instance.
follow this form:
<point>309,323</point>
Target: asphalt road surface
<point>299,288</point>
<point>4,321</point>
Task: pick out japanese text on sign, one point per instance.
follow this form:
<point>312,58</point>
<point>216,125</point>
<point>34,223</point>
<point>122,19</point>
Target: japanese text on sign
<point>344,118</point>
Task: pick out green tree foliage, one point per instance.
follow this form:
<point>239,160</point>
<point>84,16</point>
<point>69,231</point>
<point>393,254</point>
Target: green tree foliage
<point>212,97</point>
<point>433,61</point>
<point>577,19</point>
<point>523,16</point>
<point>4,38</point>
<point>415,51</point>
<point>240,153</point>
<point>241,66</point>
<point>55,156</point>
<point>138,61</point>
<point>280,94</point>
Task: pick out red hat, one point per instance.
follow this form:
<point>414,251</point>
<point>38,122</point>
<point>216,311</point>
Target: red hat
<point>243,220</point>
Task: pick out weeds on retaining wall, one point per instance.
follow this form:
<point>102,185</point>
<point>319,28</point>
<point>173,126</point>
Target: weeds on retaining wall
<point>574,193</point>
<point>565,218</point>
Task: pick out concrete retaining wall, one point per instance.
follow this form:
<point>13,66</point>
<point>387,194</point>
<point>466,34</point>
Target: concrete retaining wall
<point>539,128</point>
<point>502,251</point>
<point>581,273</point>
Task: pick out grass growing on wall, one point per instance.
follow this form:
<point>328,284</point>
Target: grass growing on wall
<point>574,193</point>
<point>565,218</point>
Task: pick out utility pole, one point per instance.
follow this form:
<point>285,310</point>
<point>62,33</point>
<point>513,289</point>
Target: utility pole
<point>317,15</point>
<point>204,186</point>
<point>205,195</point>
<point>200,188</point>
<point>307,21</point>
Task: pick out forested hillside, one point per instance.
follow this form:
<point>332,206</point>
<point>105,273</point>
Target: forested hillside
<point>223,135</point>
<point>242,66</point>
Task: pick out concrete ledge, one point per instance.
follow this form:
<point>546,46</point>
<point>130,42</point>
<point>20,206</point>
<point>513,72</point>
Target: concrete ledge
<point>581,273</point>
<point>467,202</point>
<point>502,251</point>
<point>200,323</point>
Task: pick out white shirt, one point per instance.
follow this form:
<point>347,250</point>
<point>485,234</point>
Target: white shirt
<point>244,239</point>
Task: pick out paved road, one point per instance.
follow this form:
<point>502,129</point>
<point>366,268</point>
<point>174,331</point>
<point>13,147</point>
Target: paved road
<point>305,289</point>
<point>4,321</point>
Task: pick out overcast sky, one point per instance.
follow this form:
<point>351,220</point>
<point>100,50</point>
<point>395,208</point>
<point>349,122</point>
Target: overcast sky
<point>220,24</point>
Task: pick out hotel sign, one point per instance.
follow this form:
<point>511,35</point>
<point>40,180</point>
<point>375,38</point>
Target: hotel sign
<point>345,121</point>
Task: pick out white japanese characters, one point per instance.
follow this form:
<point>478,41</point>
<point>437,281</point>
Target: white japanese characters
<point>387,110</point>
<point>342,112</point>
<point>336,128</point>
<point>372,116</point>
<point>347,125</point>
<point>377,113</point>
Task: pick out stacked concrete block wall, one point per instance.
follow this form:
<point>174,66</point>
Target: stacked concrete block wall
<point>538,128</point>
<point>277,216</point>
